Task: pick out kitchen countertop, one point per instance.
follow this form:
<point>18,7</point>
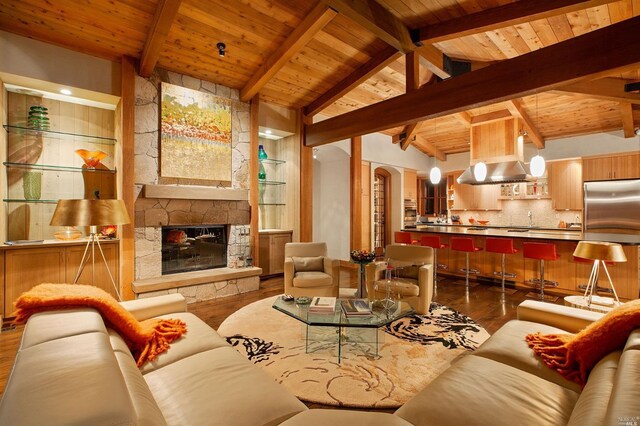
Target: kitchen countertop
<point>577,229</point>
<point>532,233</point>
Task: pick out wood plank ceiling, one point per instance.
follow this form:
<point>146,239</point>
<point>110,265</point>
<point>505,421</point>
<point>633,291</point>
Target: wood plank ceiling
<point>254,30</point>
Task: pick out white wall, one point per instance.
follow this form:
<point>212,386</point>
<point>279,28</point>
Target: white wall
<point>331,201</point>
<point>25,57</point>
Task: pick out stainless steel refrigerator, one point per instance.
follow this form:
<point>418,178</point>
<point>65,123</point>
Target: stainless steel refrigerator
<point>612,206</point>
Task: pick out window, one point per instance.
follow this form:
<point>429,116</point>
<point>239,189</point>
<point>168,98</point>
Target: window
<point>432,198</point>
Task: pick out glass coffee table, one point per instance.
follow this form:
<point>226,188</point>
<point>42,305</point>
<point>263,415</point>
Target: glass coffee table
<point>339,327</point>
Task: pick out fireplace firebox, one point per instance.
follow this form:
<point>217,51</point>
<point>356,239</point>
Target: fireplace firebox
<point>193,248</point>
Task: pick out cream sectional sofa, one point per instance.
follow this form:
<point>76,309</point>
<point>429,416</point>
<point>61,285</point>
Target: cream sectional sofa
<point>72,370</point>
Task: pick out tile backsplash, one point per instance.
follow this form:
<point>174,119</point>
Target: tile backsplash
<point>514,213</point>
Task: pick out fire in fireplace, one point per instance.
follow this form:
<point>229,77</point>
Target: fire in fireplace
<point>193,248</point>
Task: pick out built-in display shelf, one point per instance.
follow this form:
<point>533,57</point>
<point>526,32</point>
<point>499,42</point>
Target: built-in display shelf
<point>271,182</point>
<point>19,200</point>
<point>51,167</point>
<point>53,134</point>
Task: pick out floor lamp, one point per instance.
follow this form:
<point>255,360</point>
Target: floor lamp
<point>600,253</point>
<point>91,213</point>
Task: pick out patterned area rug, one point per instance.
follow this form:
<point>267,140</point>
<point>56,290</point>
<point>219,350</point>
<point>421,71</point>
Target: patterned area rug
<point>412,352</point>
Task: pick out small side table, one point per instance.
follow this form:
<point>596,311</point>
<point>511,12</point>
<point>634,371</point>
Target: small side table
<point>582,302</point>
<point>362,278</point>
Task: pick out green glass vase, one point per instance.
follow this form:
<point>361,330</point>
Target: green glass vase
<point>32,185</point>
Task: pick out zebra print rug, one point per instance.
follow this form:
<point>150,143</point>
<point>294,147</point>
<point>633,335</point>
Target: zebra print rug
<point>411,353</point>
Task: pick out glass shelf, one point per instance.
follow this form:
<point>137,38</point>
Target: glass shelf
<point>58,135</point>
<point>270,182</point>
<point>55,168</point>
<point>272,161</point>
<point>15,200</point>
<point>271,204</point>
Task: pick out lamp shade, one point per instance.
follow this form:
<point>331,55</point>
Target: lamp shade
<point>90,213</point>
<point>435,175</point>
<point>597,250</point>
<point>537,166</point>
<point>480,171</point>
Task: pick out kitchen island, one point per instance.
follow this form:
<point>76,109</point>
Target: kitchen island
<point>568,273</point>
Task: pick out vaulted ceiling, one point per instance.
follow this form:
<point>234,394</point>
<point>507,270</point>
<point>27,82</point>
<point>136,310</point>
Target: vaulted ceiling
<point>294,51</point>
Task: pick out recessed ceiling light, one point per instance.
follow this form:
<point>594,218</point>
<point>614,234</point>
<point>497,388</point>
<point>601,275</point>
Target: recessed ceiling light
<point>222,49</point>
<point>65,91</point>
<point>268,131</point>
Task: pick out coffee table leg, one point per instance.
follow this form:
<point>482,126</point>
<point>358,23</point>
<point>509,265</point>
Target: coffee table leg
<point>306,349</point>
<point>339,344</point>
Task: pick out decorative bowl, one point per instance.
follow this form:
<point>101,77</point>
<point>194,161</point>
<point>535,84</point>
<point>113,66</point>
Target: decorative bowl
<point>91,158</point>
<point>472,220</point>
<point>362,256</point>
<point>483,222</point>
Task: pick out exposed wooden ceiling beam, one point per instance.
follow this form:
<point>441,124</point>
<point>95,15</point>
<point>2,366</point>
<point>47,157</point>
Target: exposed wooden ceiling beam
<point>412,80</point>
<point>502,16</point>
<point>320,16</point>
<point>611,89</point>
<point>431,150</point>
<point>374,17</point>
<point>463,117</point>
<point>516,109</point>
<point>410,134</point>
<point>615,48</point>
<point>357,77</point>
<point>490,116</point>
<point>434,60</point>
<point>166,12</point>
<point>626,110</point>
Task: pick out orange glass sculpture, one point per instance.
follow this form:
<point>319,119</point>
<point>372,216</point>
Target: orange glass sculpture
<point>91,158</point>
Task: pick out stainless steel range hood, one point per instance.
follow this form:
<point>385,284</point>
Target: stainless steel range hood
<point>497,173</point>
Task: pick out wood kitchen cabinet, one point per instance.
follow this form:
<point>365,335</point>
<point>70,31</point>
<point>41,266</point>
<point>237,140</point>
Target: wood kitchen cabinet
<point>565,184</point>
<point>410,184</point>
<point>272,244</point>
<point>472,197</point>
<point>55,262</point>
<point>623,166</point>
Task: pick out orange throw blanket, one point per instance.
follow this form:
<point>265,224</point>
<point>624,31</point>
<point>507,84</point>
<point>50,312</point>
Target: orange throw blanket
<point>574,355</point>
<point>146,339</point>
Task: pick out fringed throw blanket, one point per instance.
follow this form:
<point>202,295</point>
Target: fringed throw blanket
<point>146,339</point>
<point>574,355</point>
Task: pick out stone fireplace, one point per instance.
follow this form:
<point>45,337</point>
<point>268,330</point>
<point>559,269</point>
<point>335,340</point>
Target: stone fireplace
<point>193,248</point>
<point>170,203</point>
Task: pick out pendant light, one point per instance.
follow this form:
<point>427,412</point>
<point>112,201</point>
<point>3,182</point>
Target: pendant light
<point>435,174</point>
<point>537,164</point>
<point>480,171</point>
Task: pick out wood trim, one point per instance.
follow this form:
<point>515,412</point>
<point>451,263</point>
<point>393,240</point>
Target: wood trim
<point>387,205</point>
<point>166,12</point>
<point>626,111</point>
<point>357,77</point>
<point>127,248</point>
<point>306,186</point>
<point>254,141</point>
<point>374,17</point>
<point>193,192</point>
<point>356,193</point>
<point>516,109</point>
<point>502,16</point>
<point>610,89</point>
<point>615,48</point>
<point>320,16</point>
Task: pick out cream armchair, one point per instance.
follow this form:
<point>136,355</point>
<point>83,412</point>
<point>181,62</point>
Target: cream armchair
<point>414,279</point>
<point>309,272</point>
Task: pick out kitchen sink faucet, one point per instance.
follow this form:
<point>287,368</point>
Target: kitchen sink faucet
<point>530,215</point>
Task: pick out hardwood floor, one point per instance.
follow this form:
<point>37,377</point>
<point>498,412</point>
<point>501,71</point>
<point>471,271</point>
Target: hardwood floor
<point>482,304</point>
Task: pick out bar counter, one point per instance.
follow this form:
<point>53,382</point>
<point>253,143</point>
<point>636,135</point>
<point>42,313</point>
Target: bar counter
<point>568,273</point>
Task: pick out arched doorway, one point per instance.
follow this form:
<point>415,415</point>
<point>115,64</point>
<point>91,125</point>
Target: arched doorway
<point>381,209</point>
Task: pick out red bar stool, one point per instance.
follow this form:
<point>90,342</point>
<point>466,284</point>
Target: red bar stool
<point>597,289</point>
<point>400,237</point>
<point>433,241</point>
<point>541,252</point>
<point>501,246</point>
<point>466,245</point>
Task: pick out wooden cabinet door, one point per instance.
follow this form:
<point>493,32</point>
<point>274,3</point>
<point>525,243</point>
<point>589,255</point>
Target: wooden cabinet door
<point>101,278</point>
<point>565,184</point>
<point>596,168</point>
<point>276,255</point>
<point>410,185</point>
<point>486,197</point>
<point>26,268</point>
<point>625,166</point>
<point>463,195</point>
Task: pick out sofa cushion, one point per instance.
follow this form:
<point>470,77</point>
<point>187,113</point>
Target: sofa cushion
<point>198,338</point>
<point>633,342</point>
<point>306,264</point>
<point>220,387</point>
<point>625,397</point>
<point>344,417</point>
<point>508,346</point>
<point>74,380</point>
<point>591,408</point>
<point>405,287</point>
<point>311,279</point>
<point>52,325</point>
<point>466,393</point>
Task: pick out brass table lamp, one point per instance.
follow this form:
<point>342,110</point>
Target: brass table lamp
<point>91,213</point>
<point>599,252</point>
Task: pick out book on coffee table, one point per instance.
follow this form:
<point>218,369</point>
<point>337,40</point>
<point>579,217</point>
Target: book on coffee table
<point>356,307</point>
<point>323,305</point>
